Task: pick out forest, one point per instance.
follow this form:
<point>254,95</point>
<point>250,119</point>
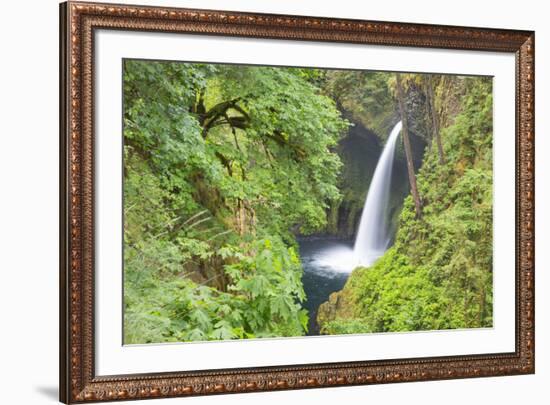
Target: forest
<point>232,172</point>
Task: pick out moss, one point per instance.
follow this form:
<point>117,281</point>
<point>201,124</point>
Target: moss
<point>438,274</point>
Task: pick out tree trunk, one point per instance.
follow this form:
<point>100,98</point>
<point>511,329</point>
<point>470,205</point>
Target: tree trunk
<point>407,143</point>
<point>435,121</point>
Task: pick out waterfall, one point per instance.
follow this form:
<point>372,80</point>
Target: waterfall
<point>373,235</point>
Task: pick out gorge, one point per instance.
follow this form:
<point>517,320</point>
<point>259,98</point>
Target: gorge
<point>269,202</point>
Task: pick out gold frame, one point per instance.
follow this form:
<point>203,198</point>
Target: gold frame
<point>78,382</point>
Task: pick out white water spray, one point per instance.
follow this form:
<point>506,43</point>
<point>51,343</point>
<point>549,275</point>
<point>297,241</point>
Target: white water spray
<point>373,235</point>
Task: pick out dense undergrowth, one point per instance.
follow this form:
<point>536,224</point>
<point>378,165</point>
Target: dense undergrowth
<point>223,166</point>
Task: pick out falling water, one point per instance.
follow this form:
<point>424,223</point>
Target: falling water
<point>333,259</point>
<point>373,235</point>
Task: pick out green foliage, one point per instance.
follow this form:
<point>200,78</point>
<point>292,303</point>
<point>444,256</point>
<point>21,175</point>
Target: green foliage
<point>270,284</point>
<point>223,165</point>
<point>367,95</point>
<point>291,130</point>
<point>263,298</point>
<point>438,274</point>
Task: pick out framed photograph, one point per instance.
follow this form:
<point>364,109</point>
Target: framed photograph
<point>256,202</point>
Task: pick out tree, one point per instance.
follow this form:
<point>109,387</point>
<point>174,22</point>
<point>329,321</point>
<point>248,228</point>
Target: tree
<point>222,164</point>
<point>435,119</point>
<point>366,96</point>
<point>407,143</point>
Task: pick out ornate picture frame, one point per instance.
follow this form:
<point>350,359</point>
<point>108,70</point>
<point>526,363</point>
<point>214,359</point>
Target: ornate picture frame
<point>78,380</point>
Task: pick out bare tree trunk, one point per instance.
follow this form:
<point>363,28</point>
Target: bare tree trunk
<point>435,121</point>
<point>407,143</point>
